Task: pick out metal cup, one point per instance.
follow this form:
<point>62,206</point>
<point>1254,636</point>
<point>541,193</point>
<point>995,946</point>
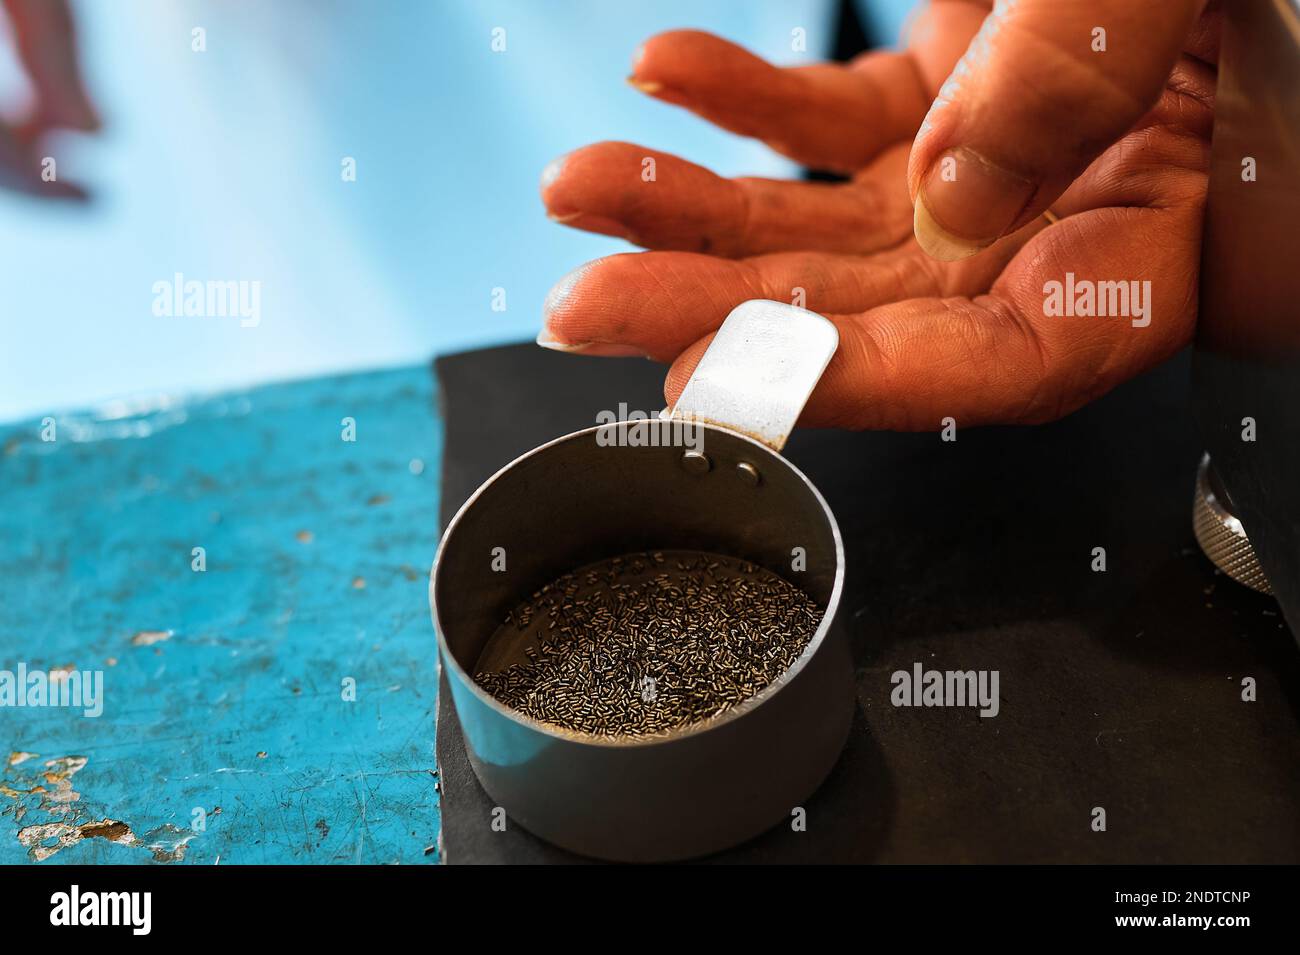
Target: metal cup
<point>706,477</point>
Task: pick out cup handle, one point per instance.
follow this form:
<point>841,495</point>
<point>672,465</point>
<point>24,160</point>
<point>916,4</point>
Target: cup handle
<point>759,370</point>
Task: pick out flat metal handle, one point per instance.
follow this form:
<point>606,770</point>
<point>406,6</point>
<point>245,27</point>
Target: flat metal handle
<point>759,370</point>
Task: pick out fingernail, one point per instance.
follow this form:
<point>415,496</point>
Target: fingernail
<point>966,203</point>
<point>598,349</point>
<point>937,242</point>
<point>547,340</point>
<point>590,223</point>
<point>645,86</point>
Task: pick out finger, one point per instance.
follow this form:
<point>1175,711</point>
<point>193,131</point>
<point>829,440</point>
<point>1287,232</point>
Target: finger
<point>999,358</point>
<point>605,188</point>
<point>1037,97</point>
<point>830,116</point>
<point>47,48</point>
<point>655,304</point>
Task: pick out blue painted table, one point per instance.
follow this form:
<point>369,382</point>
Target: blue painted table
<point>269,699</point>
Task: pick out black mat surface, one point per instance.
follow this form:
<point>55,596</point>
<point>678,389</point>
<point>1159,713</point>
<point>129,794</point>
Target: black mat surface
<point>1119,690</point>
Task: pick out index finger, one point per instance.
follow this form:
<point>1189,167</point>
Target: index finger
<point>829,116</point>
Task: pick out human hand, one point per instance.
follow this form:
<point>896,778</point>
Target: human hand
<point>43,33</point>
<point>938,285</point>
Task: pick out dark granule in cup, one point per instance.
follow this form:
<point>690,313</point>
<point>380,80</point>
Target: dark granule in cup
<point>647,643</point>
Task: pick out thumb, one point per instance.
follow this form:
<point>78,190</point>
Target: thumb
<point>1044,88</point>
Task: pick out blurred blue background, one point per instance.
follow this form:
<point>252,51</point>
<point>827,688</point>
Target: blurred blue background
<point>226,165</point>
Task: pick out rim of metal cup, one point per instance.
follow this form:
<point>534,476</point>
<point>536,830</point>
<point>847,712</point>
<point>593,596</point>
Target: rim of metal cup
<point>691,729</point>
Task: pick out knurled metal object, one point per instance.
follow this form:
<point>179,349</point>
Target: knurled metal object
<point>1220,534</point>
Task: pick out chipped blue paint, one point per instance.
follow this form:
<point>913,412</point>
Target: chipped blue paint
<point>223,689</point>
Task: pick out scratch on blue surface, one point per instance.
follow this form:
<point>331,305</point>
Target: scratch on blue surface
<point>223,689</point>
